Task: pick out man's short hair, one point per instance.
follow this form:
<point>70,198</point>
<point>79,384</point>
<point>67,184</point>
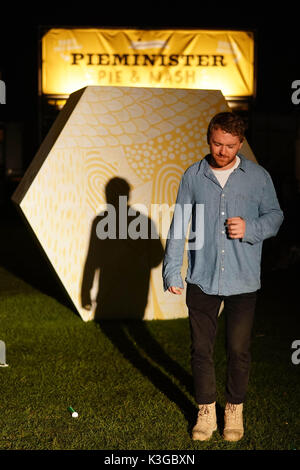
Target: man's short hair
<point>228,122</point>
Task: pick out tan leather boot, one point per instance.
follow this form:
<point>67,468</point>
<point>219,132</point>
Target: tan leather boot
<point>206,422</point>
<point>234,428</point>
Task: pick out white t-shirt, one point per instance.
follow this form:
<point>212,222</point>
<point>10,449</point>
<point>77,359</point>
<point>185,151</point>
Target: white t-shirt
<point>223,175</point>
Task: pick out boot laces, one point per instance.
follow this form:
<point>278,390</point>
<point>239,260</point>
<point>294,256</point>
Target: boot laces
<point>231,407</point>
<point>204,412</point>
<point>231,412</point>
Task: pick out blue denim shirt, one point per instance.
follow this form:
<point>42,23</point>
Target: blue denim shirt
<point>224,266</point>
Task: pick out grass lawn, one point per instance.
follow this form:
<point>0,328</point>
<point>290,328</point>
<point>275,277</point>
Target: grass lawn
<point>129,381</point>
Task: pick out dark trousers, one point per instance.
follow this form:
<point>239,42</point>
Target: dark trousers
<point>203,317</point>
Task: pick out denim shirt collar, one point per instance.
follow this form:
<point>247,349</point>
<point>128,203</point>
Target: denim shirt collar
<point>206,170</point>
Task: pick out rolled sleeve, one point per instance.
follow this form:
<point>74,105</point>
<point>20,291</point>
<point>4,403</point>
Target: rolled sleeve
<point>270,217</point>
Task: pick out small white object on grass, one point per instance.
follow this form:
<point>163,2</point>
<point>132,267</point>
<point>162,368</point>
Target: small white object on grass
<point>73,412</point>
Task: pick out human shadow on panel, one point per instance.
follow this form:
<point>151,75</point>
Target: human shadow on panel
<point>124,256</point>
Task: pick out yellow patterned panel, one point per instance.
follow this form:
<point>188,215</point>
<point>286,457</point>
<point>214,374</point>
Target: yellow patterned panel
<point>145,136</point>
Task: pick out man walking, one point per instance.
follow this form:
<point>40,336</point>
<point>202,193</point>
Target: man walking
<point>240,211</point>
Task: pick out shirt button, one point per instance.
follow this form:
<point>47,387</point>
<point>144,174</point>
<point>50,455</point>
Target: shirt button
<point>223,231</point>
<point>223,251</point>
<point>223,213</point>
<point>222,269</point>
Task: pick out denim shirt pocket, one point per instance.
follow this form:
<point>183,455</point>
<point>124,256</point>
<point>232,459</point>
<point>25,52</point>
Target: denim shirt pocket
<point>244,206</point>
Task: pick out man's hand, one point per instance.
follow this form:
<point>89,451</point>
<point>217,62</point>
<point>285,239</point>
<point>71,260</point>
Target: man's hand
<point>236,227</point>
<point>175,290</point>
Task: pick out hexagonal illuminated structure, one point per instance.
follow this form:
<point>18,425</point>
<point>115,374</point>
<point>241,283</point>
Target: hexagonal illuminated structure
<point>107,139</point>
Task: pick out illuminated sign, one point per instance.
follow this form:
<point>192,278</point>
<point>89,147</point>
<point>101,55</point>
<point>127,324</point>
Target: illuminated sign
<point>199,59</point>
